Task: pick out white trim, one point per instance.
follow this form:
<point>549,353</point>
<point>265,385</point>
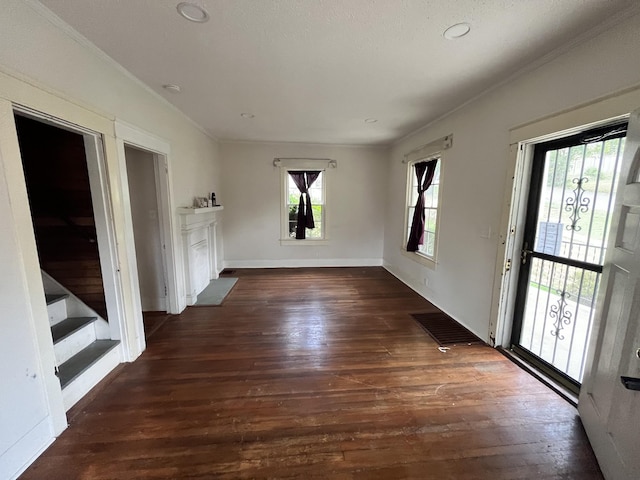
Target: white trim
<point>599,112</point>
<point>295,263</point>
<point>428,150</point>
<point>137,137</point>
<point>307,242</point>
<point>105,232</point>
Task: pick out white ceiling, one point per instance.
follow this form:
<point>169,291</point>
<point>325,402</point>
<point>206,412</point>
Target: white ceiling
<point>313,70</point>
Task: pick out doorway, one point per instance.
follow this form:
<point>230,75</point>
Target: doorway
<point>62,211</point>
<point>146,206</point>
<point>568,215</point>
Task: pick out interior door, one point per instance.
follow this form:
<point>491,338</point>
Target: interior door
<point>610,410</point>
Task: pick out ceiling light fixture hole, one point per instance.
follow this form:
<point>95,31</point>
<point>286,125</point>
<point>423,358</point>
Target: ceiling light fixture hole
<point>192,12</point>
<point>457,31</point>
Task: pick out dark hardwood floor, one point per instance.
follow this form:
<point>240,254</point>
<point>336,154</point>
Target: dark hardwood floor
<point>153,321</point>
<point>318,373</point>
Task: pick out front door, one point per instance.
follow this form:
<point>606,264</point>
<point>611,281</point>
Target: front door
<point>571,199</point>
<point>609,406</point>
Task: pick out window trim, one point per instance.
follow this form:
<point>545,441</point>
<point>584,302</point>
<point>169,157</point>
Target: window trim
<point>437,152</point>
<point>285,239</point>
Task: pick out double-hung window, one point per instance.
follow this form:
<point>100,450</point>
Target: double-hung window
<point>316,197</point>
<point>420,237</point>
<point>304,182</point>
<point>428,247</point>
<point>424,167</point>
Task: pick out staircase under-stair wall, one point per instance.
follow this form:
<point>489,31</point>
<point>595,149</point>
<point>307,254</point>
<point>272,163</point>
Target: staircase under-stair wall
<point>84,350</point>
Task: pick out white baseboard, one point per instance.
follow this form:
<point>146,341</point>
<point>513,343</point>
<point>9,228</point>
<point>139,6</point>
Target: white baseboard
<point>311,262</point>
<point>191,300</point>
<point>23,453</point>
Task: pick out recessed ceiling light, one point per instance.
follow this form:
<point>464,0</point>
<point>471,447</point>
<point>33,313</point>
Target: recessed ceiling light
<point>370,120</point>
<point>247,115</point>
<point>456,31</point>
<point>193,12</point>
<point>172,88</point>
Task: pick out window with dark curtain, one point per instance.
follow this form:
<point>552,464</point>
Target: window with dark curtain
<point>304,180</point>
<point>424,173</point>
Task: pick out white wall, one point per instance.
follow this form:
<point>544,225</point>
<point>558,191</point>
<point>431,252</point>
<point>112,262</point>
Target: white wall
<point>473,188</point>
<point>251,197</point>
<point>42,65</point>
<point>146,228</point>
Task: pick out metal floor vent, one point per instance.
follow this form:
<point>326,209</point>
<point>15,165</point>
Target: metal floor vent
<point>444,329</point>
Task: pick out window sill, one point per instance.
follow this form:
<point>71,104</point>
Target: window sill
<point>416,257</point>
<point>306,242</point>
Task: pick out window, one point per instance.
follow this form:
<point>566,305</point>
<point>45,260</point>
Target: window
<point>431,204</point>
<point>291,205</point>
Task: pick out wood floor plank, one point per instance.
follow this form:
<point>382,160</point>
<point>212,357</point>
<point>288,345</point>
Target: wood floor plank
<point>318,374</point>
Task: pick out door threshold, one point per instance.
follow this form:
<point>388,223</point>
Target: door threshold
<point>557,387</point>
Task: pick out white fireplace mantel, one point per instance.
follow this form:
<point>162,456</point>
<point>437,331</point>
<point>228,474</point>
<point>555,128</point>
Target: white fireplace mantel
<point>199,240</point>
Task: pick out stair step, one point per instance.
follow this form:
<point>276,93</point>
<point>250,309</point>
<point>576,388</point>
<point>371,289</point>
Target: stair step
<point>76,365</point>
<point>62,330</point>
<point>56,307</point>
<point>53,298</point>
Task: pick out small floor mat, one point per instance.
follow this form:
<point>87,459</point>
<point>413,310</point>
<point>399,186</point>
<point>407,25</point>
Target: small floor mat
<point>444,329</point>
<point>216,291</point>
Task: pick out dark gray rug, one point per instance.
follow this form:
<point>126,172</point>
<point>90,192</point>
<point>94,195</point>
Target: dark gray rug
<point>216,291</point>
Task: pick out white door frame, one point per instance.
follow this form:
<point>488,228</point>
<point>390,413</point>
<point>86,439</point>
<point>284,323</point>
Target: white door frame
<point>129,135</point>
<point>522,140</point>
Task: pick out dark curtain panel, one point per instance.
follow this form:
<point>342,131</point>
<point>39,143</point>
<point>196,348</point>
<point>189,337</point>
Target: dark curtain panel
<point>424,174</point>
<point>303,181</point>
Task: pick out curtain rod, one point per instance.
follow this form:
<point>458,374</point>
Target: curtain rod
<point>277,161</point>
<point>440,144</point>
